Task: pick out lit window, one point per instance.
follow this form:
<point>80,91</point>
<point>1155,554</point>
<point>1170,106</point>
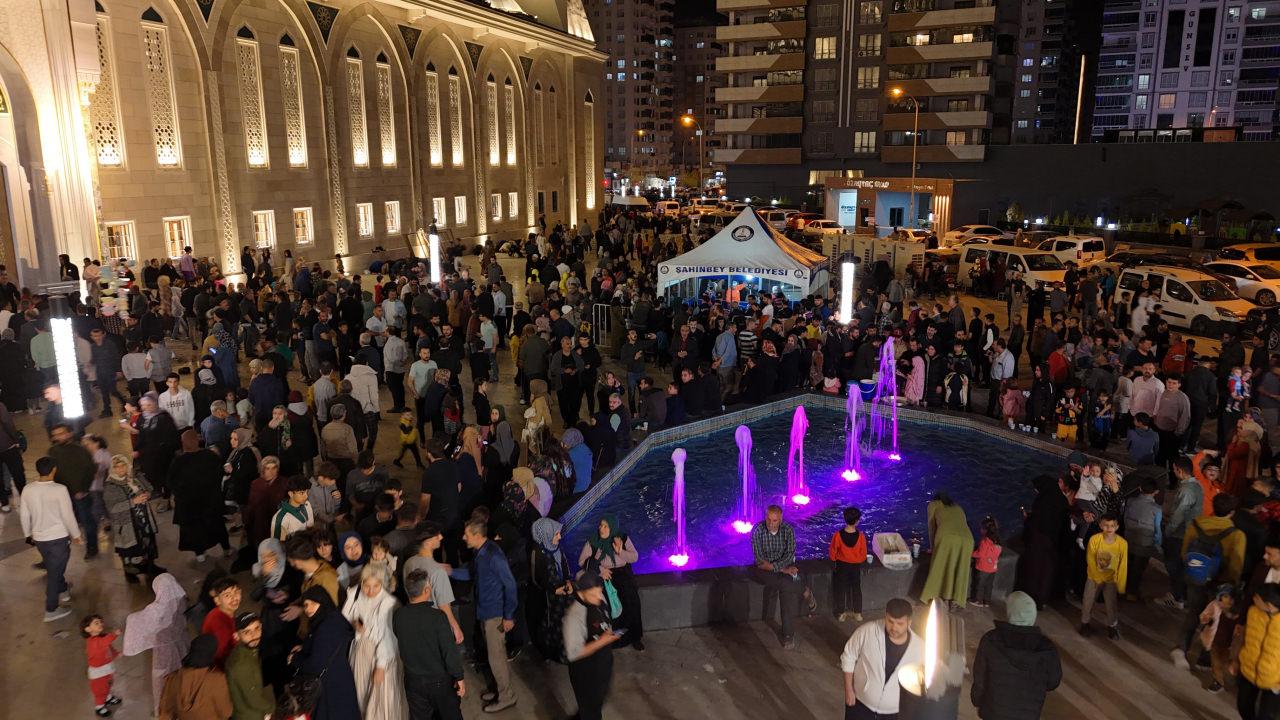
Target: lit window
<point>870,12</point>
<point>864,141</point>
<point>1140,102</point>
<point>291,96</point>
<point>1257,13</point>
<point>1168,101</point>
<point>251,108</point>
<point>1144,82</point>
<point>869,77</point>
<point>303,232</point>
<point>438,208</point>
<point>264,228</point>
<point>965,37</point>
<point>513,204</point>
<point>1026,78</point>
<point>509,118</point>
<point>824,48</point>
<point>459,210</point>
<point>956,137</point>
<point>1024,93</point>
<point>364,219</point>
<point>1022,124</point>
<point>455,120</point>
<point>392,208</point>
<point>355,112</point>
<point>491,101</point>
<point>869,44</point>
<point>386,116</point>
<point>104,110</point>
<point>495,206</point>
<point>161,95</point>
<point>177,234</point>
<point>1028,62</point>
<point>120,240</point>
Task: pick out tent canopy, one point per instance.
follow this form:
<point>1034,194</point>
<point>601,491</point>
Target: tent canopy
<point>632,200</point>
<point>749,246</point>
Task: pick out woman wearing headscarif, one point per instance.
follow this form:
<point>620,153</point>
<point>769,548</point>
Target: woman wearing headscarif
<point>502,453</point>
<point>374,656</point>
<point>276,438</point>
<point>324,655</point>
<point>611,553</point>
<point>278,584</point>
<point>133,524</point>
<point>195,477</point>
<point>224,350</point>
<point>198,690</point>
<point>551,591</point>
<point>207,389</point>
<point>160,627</point>
<point>580,457</point>
<point>354,557</point>
<point>536,490</point>
<point>241,468</point>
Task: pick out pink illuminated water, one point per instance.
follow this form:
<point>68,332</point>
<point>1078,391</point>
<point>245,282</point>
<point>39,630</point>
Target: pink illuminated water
<point>885,420</point>
<point>747,506</point>
<point>680,557</point>
<point>853,435</point>
<point>796,489</point>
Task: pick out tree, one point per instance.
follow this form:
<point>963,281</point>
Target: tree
<point>1014,213</point>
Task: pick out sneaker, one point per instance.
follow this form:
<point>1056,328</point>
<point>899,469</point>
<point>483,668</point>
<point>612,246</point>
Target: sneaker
<point>201,558</point>
<point>6,508</point>
<point>499,706</point>
<point>1113,632</point>
<point>489,697</point>
<point>788,643</point>
<point>102,711</point>
<point>1179,659</point>
<point>64,598</point>
<point>1085,630</point>
<point>1169,601</point>
<point>1216,687</point>
<point>113,700</point>
<point>57,614</point>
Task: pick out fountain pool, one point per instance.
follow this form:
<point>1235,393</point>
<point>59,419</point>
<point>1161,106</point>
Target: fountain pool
<point>985,474</point>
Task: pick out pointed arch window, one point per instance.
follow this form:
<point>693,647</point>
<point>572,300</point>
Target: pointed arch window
<point>386,113</point>
<point>295,126</point>
<point>435,151</point>
<point>509,119</point>
<point>456,147</point>
<point>249,75</point>
<point>158,78</point>
<point>539,123</point>
<point>355,110</point>
<point>104,110</point>
<point>589,149</point>
<point>491,107</point>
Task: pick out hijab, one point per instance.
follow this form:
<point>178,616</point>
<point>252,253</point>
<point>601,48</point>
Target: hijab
<point>523,477</point>
<point>514,499</point>
<point>203,650</point>
<point>605,545</point>
<point>244,443</point>
<point>320,596</point>
<point>206,377</point>
<point>342,550</point>
<point>162,622</point>
<point>503,439</point>
<point>128,474</point>
<point>471,446</point>
<point>571,438</point>
<point>544,532</point>
<point>270,545</point>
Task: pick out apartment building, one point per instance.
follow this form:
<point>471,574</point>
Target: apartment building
<point>1057,65</point>
<point>696,81</point>
<point>639,86</point>
<point>1173,64</point>
<point>834,83</point>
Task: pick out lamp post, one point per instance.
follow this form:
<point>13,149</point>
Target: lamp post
<point>690,121</point>
<point>915,140</point>
<point>640,135</point>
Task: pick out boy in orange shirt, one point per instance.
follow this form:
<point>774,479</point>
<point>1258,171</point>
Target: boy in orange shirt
<point>849,552</point>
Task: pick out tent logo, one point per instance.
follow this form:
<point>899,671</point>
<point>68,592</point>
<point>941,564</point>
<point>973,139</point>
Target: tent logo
<point>742,233</point>
<point>664,269</point>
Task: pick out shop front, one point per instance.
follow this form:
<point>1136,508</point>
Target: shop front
<point>878,205</point>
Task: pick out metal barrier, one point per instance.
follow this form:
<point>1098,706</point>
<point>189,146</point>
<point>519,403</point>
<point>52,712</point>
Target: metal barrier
<point>603,332</point>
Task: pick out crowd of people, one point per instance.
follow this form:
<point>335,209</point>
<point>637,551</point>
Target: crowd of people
<point>367,599</point>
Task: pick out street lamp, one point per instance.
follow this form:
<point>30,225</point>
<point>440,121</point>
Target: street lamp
<point>690,121</point>
<point>897,93</point>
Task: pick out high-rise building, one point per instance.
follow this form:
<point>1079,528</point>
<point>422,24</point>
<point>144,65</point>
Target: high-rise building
<point>1056,71</point>
<point>810,83</point>
<point>639,92</point>
<point>696,81</point>
<point>1165,64</point>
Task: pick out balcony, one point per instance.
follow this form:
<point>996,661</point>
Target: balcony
<point>760,63</point>
<point>737,5</point>
<point>938,120</point>
<point>759,126</point>
<point>759,156</point>
<point>929,87</point>
<point>901,22</point>
<point>933,153</point>
<point>791,29</point>
<point>760,93</point>
<point>912,54</point>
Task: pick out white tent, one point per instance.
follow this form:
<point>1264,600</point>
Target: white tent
<point>631,200</point>
<point>749,248</point>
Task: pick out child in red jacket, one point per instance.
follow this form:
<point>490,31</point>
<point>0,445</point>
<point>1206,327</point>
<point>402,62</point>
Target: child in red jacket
<point>100,654</point>
<point>849,552</point>
<point>986,559</point>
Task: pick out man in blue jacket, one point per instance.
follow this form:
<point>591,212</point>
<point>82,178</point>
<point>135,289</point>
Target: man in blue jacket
<point>495,589</point>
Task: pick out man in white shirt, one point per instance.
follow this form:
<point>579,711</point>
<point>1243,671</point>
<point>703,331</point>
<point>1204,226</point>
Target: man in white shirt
<point>871,660</point>
<point>393,309</point>
<point>178,402</point>
<point>1147,389</point>
<point>49,523</point>
<point>377,325</point>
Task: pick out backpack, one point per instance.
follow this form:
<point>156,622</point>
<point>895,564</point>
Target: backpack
<point>1204,556</point>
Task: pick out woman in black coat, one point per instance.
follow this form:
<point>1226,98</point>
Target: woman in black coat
<point>195,478</point>
<point>325,651</point>
<point>1043,537</point>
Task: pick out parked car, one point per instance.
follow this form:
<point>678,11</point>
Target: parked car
<point>1258,282</point>
<point>958,235</point>
<point>1037,267</point>
<point>1253,253</point>
<point>799,220</point>
<point>776,218</point>
<point>822,227</point>
<point>667,207</point>
<point>910,235</point>
<point>1191,299</point>
<point>1133,257</point>
<point>1079,249</point>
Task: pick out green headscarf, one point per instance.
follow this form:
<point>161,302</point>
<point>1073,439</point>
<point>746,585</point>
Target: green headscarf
<point>605,545</point>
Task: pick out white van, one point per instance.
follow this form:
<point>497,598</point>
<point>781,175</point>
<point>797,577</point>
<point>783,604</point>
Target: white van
<point>1037,267</point>
<point>667,207</point>
<point>776,218</point>
<point>1079,249</point>
<point>1189,298</point>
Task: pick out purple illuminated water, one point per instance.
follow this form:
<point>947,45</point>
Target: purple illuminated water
<point>796,489</point>
<point>852,435</point>
<point>891,495</point>
<point>680,557</point>
<point>749,509</point>
<point>886,419</point>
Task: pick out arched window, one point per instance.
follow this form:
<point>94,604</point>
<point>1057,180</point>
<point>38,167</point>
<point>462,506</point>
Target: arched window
<point>386,112</point>
<point>457,149</point>
<point>435,151</point>
<point>249,76</point>
<point>158,76</point>
<point>295,125</point>
<point>589,149</point>
<point>491,109</point>
<point>509,115</point>
<point>355,109</point>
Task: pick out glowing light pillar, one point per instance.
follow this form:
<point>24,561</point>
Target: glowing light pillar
<point>433,250</point>
<point>64,353</point>
<point>680,557</point>
<point>847,269</point>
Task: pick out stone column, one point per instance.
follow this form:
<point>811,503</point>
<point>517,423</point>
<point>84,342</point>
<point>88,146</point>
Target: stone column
<point>228,233</point>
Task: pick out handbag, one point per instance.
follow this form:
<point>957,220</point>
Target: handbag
<point>302,694</point>
<point>611,597</point>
